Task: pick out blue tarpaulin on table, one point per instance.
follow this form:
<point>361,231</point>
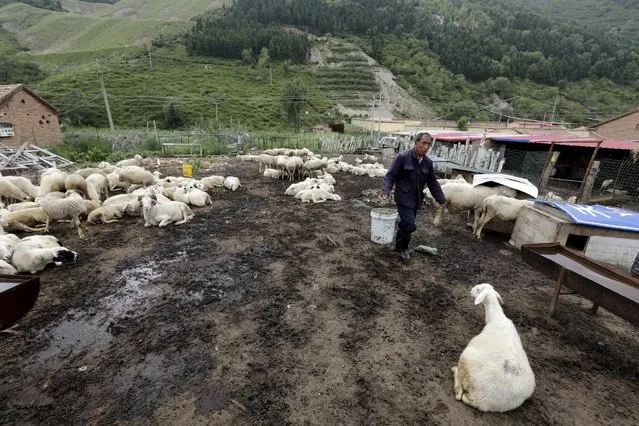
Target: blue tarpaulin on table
<point>600,216</point>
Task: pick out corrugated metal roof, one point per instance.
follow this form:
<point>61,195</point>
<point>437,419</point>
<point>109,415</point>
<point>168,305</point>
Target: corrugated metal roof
<point>572,141</point>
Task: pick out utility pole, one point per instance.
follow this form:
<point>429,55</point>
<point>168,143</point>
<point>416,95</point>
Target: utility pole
<point>216,118</point>
<point>379,117</point>
<point>148,46</point>
<point>106,99</point>
<point>270,74</point>
<point>552,119</point>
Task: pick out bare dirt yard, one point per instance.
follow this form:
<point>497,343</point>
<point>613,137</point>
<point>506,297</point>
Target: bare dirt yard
<point>263,310</point>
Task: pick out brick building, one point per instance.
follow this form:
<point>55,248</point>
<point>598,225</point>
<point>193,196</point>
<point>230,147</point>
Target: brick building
<point>624,127</point>
<point>26,117</point>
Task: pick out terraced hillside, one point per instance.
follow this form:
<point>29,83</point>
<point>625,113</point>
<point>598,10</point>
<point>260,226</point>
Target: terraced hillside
<point>130,22</point>
<point>358,85</point>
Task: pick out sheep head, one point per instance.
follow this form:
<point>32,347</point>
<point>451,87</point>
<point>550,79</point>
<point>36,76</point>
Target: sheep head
<point>480,291</point>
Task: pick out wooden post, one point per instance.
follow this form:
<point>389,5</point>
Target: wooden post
<point>546,169</point>
<point>555,295</point>
<point>589,182</point>
<point>581,195</point>
<point>634,270</point>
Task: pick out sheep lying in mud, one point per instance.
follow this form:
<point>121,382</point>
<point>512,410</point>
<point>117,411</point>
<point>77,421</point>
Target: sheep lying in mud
<point>108,214</point>
<point>28,220</point>
<point>163,213</point>
<point>135,161</point>
<point>493,373</point>
<point>232,183</point>
<point>33,254</point>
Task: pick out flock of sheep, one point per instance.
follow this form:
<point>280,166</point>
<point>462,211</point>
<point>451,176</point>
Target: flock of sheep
<point>85,193</point>
<point>318,185</point>
<point>493,372</point>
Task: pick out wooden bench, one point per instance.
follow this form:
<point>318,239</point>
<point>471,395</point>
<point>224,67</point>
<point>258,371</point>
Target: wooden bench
<point>613,290</point>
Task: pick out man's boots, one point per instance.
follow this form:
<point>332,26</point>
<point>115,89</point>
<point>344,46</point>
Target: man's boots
<point>401,245</point>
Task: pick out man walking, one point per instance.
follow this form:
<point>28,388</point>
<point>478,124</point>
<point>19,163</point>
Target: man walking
<point>409,173</point>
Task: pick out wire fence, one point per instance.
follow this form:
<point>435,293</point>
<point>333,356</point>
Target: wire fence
<point>616,177</point>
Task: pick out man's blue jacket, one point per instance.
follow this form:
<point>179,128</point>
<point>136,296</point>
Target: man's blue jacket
<point>409,177</point>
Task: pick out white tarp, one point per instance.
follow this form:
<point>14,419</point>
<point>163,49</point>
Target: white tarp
<point>520,184</point>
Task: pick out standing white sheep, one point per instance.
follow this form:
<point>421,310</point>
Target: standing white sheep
<point>493,373</point>
<point>503,208</point>
<point>72,206</point>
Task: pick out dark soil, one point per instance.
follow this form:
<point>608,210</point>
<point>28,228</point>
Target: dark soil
<point>263,310</point>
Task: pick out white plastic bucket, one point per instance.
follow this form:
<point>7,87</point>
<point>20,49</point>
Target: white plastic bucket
<point>383,225</point>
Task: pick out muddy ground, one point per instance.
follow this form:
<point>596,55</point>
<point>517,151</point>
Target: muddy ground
<point>266,311</point>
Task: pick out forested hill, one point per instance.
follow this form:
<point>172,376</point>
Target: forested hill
<point>612,17</point>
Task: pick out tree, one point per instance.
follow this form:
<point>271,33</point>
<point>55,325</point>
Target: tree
<point>293,98</point>
<point>264,58</point>
<point>173,117</point>
<point>247,57</point>
<point>77,113</point>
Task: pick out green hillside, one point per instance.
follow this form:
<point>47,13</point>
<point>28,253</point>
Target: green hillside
<point>614,17</point>
<point>138,92</point>
<point>43,31</point>
<point>161,9</point>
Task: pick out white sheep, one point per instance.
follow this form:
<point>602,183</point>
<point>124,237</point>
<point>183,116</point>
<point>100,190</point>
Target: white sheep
<point>7,268</point>
<point>136,176</point>
<point>97,187</point>
<point>130,161</point>
<point>72,206</point>
<point>272,173</point>
<point>161,214</point>
<point>211,182</point>
<point>51,180</point>
<point>493,373</point>
<point>232,183</point>
<point>21,206</point>
<point>23,184</point>
<point>34,254</point>
<point>108,214</point>
<point>7,242</point>
<point>190,196</point>
<point>606,183</point>
<point>28,220</point>
<point>315,165</point>
<point>88,171</point>
<point>77,183</point>
<point>316,195</point>
<point>8,191</point>
<point>464,196</point>
<point>503,208</point>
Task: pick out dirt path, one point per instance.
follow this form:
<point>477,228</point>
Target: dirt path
<point>266,311</point>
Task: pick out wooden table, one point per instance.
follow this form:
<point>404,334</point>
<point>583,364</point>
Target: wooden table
<point>613,290</point>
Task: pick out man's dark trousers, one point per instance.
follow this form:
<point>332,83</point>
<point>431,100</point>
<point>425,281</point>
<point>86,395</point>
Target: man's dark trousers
<point>406,227</point>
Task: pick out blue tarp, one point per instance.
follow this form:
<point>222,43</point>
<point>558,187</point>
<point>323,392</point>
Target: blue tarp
<point>600,216</point>
<point>523,139</point>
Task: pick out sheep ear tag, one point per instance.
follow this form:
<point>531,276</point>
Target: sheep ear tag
<point>480,297</point>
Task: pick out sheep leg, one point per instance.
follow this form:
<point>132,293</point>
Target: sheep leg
<point>485,218</point>
<point>22,227</point>
<point>78,223</point>
<point>165,221</point>
<point>477,212</point>
<point>46,227</point>
<point>439,215</point>
<point>109,221</point>
<point>185,218</point>
<point>459,390</point>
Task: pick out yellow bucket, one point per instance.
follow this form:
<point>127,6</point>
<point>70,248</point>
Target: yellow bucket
<point>187,170</point>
